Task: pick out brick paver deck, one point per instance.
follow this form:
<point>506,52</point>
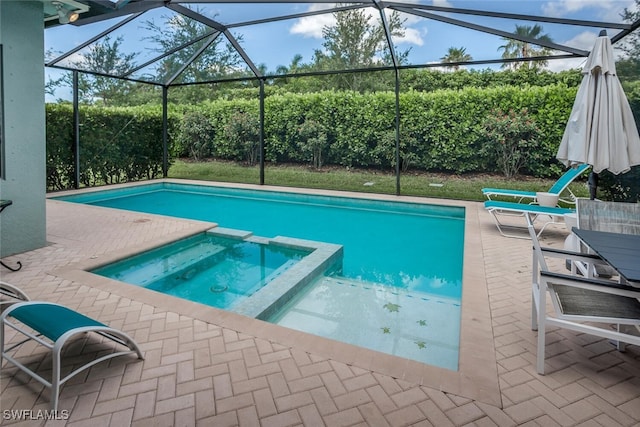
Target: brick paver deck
<point>212,368</point>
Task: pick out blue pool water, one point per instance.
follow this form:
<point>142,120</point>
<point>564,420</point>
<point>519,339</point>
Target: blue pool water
<point>411,246</point>
<point>209,269</point>
<point>400,283</point>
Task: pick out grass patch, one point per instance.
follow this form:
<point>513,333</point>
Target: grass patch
<point>445,186</point>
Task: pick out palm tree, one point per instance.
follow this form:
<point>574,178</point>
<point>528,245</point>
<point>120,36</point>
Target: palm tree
<point>457,55</point>
<point>293,67</point>
<point>520,49</point>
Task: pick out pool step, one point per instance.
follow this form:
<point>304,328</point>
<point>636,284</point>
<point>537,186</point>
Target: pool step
<point>190,267</point>
<point>149,270</point>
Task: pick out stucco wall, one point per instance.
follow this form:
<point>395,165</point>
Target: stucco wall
<point>23,225</point>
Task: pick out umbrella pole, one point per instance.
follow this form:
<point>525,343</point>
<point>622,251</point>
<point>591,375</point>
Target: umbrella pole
<point>593,185</point>
<point>593,177</point>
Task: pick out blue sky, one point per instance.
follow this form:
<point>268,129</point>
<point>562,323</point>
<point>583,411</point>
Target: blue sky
<point>276,43</point>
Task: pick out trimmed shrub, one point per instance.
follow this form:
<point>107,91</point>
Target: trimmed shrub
<point>512,138</point>
<point>196,135</point>
<point>242,137</point>
<point>116,145</point>
<point>312,141</point>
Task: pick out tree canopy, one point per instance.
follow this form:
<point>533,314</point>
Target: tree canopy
<point>521,49</point>
<point>356,41</point>
<point>456,54</point>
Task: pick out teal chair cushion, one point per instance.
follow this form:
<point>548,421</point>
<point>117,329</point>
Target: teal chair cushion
<point>51,320</point>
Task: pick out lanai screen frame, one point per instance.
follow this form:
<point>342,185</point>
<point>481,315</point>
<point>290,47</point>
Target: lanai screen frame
<point>107,9</point>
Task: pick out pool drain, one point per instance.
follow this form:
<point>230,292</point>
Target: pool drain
<point>218,288</point>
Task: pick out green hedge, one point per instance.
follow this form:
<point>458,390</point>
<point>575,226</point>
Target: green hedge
<point>440,131</point>
<point>116,145</point>
<point>60,165</point>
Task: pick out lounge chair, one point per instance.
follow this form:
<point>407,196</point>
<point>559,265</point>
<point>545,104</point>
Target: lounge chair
<point>557,188</point>
<point>581,304</point>
<point>37,319</point>
<point>9,294</point>
<point>496,208</point>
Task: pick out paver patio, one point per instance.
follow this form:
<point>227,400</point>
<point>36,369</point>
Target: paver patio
<point>209,367</point>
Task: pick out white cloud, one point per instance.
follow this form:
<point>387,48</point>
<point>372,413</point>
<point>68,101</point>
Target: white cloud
<point>584,40</point>
<point>609,9</point>
<point>411,36</point>
<point>75,58</point>
<point>565,64</point>
<point>311,26</point>
<point>563,7</point>
<point>442,3</point>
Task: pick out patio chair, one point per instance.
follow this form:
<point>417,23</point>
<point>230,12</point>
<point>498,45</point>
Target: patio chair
<point>10,294</point>
<point>496,208</point>
<point>37,320</point>
<point>557,188</point>
<point>581,304</point>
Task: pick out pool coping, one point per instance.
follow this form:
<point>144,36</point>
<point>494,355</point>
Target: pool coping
<point>477,375</point>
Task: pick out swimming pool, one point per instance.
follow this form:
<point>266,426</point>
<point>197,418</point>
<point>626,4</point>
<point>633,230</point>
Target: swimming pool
<point>400,260</point>
<point>411,246</point>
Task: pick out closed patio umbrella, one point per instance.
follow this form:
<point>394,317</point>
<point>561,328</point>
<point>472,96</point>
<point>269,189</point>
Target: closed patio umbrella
<point>601,130</point>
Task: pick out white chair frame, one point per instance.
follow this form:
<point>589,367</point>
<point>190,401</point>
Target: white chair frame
<point>544,283</point>
<point>56,347</point>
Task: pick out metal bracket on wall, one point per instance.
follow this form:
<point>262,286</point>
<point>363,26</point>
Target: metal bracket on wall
<point>3,205</point>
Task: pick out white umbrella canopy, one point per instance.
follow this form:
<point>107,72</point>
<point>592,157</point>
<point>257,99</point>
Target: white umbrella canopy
<point>601,130</point>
